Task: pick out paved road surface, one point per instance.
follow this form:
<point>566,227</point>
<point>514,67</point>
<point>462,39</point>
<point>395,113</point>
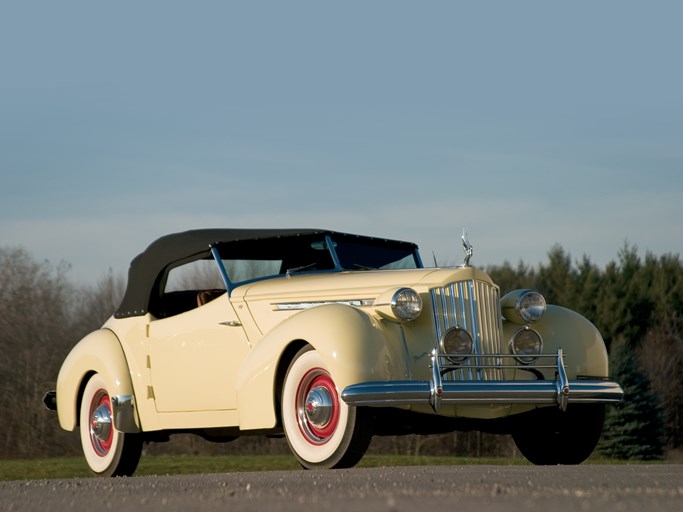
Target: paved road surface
<point>602,488</point>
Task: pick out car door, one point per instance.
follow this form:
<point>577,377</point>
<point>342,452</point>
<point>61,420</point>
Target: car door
<point>195,356</point>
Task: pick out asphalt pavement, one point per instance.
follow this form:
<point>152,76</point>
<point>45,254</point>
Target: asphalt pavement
<point>603,488</point>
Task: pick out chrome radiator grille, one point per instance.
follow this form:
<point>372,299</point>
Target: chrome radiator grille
<point>475,307</point>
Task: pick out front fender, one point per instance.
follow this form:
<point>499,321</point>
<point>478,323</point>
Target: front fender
<point>99,352</point>
<point>584,350</point>
<point>352,344</point>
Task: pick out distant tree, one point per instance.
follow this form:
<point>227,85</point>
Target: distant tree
<point>663,277</point>
<point>661,356</point>
<point>196,275</point>
<point>510,278</point>
<point>631,299</point>
<point>557,279</point>
<point>588,282</point>
<point>97,303</point>
<point>625,305</point>
<point>633,428</point>
<point>661,349</point>
<point>36,328</point>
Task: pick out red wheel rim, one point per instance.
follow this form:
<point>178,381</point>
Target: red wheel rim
<point>100,428</point>
<point>317,406</point>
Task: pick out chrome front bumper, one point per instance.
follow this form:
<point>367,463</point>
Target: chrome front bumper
<point>437,392</point>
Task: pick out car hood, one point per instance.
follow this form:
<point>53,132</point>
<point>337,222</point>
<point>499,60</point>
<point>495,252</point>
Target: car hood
<point>338,285</point>
<point>263,297</point>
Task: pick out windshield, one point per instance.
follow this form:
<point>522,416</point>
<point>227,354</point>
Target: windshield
<point>250,260</point>
<point>365,255</point>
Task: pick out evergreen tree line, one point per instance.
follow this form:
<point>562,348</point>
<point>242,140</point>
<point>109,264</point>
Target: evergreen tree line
<point>636,303</point>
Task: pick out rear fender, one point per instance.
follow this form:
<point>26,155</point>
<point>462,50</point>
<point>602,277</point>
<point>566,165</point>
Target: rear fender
<point>99,352</point>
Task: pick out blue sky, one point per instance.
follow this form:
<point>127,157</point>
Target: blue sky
<point>530,123</point>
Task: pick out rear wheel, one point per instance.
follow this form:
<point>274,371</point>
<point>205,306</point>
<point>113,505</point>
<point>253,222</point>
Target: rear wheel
<point>549,436</point>
<point>107,451</point>
<point>322,430</point>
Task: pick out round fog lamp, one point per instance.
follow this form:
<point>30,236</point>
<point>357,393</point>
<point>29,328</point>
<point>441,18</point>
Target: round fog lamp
<point>526,345</point>
<point>456,344</point>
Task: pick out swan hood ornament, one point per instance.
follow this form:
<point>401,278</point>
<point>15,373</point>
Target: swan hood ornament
<point>468,248</point>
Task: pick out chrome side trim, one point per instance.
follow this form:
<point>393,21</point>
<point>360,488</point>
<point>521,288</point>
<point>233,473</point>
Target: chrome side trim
<point>406,353</point>
<point>123,410</point>
<point>295,306</point>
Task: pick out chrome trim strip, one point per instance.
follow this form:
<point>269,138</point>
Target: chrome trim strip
<point>475,328</point>
<point>123,410</point>
<point>498,362</point>
<point>406,353</point>
<point>296,306</point>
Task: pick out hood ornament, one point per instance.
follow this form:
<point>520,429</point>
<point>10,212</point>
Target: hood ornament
<point>468,248</point>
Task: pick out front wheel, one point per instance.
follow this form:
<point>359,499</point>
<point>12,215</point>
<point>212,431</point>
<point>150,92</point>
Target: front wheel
<point>549,436</point>
<point>323,432</point>
<point>107,451</point>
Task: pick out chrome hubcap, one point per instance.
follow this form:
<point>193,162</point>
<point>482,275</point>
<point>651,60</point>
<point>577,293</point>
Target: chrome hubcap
<point>319,406</point>
<point>101,428</point>
<point>100,423</point>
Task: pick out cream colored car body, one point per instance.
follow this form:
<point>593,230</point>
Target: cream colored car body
<point>221,364</point>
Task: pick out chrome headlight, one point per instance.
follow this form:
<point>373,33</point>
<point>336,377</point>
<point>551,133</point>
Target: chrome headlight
<point>526,345</point>
<point>456,341</point>
<point>523,306</point>
<point>399,305</point>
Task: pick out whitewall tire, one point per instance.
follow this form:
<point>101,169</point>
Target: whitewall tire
<point>321,429</point>
<point>107,451</point>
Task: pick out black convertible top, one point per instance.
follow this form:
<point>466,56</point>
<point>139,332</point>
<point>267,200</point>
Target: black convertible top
<point>147,267</point>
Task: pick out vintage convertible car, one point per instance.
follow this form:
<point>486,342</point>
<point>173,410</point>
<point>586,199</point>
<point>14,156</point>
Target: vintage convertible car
<point>327,338</point>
